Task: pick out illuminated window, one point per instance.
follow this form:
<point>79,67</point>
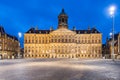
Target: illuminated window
<point>85,41</point>
<point>39,41</point>
<point>95,41</point>
<point>99,41</point>
<point>65,40</point>
<point>55,40</point>
<point>69,40</point>
<point>62,40</point>
<point>58,40</point>
<point>82,41</point>
<point>25,51</point>
<point>72,40</point>
<point>51,40</point>
<point>88,41</point>
<point>25,41</point>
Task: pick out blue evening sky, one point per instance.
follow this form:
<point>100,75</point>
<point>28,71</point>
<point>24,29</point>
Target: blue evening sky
<point>20,15</point>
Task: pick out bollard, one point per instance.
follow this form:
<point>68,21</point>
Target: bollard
<point>13,57</point>
<point>0,57</point>
<point>8,57</point>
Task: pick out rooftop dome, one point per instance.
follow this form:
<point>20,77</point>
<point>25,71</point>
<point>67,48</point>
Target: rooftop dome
<point>62,12</point>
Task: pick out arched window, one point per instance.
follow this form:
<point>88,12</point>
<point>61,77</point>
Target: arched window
<point>62,19</point>
<point>59,20</point>
<point>66,20</point>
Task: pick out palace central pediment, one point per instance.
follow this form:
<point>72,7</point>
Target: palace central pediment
<point>63,31</point>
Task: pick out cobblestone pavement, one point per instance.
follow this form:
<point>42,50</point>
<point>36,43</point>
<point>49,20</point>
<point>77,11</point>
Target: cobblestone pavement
<point>59,69</point>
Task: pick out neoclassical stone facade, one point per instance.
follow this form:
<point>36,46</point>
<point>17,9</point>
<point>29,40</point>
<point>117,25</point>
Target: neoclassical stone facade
<point>63,43</point>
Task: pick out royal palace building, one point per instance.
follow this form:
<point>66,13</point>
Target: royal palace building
<point>63,43</point>
<point>9,45</point>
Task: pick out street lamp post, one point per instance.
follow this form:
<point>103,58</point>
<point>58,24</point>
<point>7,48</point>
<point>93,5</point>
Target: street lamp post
<point>19,36</point>
<point>112,12</point>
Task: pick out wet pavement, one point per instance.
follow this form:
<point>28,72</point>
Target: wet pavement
<point>59,69</point>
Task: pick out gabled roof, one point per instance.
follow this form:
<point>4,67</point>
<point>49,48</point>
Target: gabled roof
<point>93,30</point>
<point>2,30</point>
<point>63,31</point>
<point>8,35</point>
<point>13,37</point>
<point>43,31</point>
<point>32,30</point>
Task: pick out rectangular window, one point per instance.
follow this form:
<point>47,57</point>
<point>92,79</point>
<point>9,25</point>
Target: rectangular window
<point>58,40</point>
<point>66,40</point>
<point>99,41</point>
<point>69,40</point>
<point>32,41</point>
<point>73,40</point>
<point>88,41</point>
<point>92,41</point>
<point>0,47</point>
<point>62,40</point>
